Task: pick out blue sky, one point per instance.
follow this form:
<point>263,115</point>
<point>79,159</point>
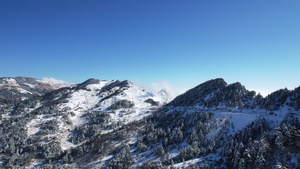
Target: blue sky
<point>181,42</point>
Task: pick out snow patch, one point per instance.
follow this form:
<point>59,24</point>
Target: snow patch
<point>54,82</point>
<point>208,97</point>
<point>30,85</point>
<point>99,86</point>
<point>21,90</point>
<point>12,82</point>
<point>33,125</point>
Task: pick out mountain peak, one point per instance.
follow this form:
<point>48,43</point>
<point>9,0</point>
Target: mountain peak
<point>125,83</point>
<point>89,82</point>
<point>215,82</point>
<point>197,94</point>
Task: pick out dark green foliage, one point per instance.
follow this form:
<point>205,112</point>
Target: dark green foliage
<point>295,98</point>
<point>172,128</point>
<point>124,86</point>
<point>197,94</point>
<point>56,166</point>
<point>255,146</point>
<point>12,140</point>
<point>122,104</point>
<point>122,159</point>
<point>85,132</point>
<point>216,94</point>
<point>49,127</point>
<point>98,117</point>
<point>276,99</point>
<point>159,150</point>
<point>152,102</point>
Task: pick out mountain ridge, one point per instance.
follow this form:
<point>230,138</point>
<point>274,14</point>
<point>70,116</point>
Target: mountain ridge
<point>24,87</point>
<point>216,91</point>
<point>117,124</point>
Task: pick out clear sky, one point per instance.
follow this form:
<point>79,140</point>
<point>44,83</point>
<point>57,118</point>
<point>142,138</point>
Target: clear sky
<point>255,42</point>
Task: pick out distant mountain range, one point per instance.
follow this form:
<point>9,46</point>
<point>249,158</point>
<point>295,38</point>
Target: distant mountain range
<point>24,87</point>
<point>117,124</point>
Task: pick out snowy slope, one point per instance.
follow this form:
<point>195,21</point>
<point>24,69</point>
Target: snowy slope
<point>93,99</point>
<point>24,87</point>
<point>97,98</point>
<point>117,124</point>
<point>213,119</point>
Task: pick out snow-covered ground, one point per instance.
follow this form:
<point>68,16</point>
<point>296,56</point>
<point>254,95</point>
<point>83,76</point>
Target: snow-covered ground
<point>28,87</point>
<point>82,101</point>
<point>33,125</point>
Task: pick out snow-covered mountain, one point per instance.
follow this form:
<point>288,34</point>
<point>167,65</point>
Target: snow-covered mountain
<point>224,125</point>
<point>68,117</point>
<point>117,124</point>
<point>217,94</point>
<point>24,87</point>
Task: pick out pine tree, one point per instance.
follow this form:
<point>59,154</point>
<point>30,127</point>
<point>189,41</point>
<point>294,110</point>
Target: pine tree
<point>242,164</point>
<point>260,160</point>
<point>159,150</point>
<point>278,137</point>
